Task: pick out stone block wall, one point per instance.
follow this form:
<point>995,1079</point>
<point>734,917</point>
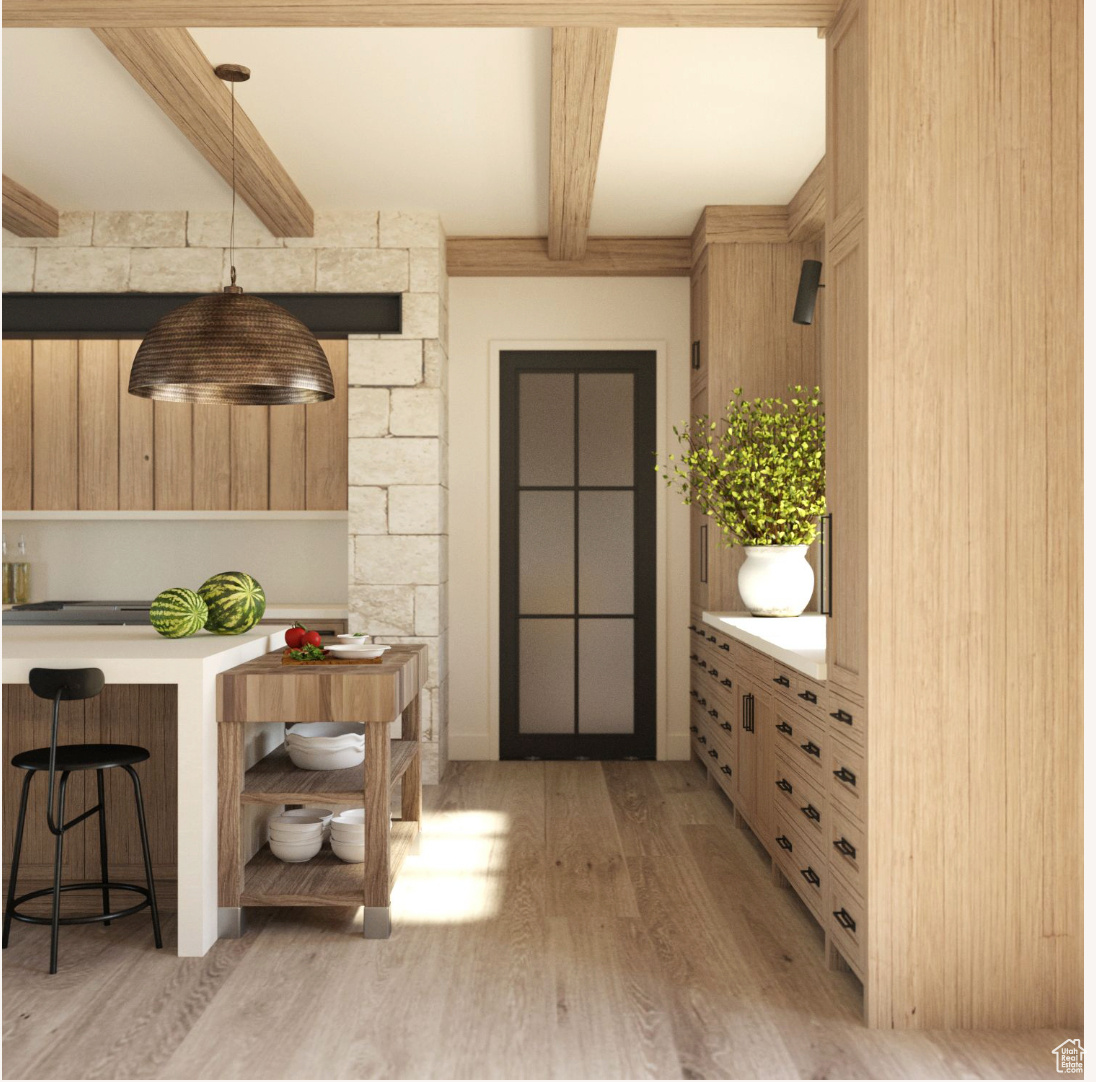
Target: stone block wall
<point>398,447</point>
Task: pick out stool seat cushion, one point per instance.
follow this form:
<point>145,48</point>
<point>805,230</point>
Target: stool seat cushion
<point>82,757</point>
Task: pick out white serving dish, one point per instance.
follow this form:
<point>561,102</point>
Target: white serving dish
<point>348,852</point>
<point>326,743</point>
<point>325,758</point>
<point>295,815</point>
<point>296,852</point>
<point>358,651</point>
<point>325,730</point>
<point>354,640</point>
<point>350,817</point>
<point>354,835</point>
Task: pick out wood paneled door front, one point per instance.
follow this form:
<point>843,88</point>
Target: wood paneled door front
<point>577,554</point>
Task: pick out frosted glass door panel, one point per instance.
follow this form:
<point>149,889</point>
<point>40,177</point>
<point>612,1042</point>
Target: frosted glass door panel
<point>546,552</point>
<point>606,689</point>
<point>605,437</point>
<point>547,689</point>
<point>546,419</point>
<point>606,538</point>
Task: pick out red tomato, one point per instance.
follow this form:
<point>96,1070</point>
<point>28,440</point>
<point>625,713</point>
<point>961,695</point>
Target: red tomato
<point>294,637</point>
<point>312,638</point>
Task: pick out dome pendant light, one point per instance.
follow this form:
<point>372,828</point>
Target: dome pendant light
<point>231,347</point>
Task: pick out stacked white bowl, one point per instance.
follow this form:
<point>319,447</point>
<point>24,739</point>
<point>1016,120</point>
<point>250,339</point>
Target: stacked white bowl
<point>348,835</point>
<point>295,838</point>
<point>326,745</point>
<point>323,814</point>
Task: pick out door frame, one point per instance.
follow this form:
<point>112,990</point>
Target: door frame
<point>641,742</point>
<point>665,747</point>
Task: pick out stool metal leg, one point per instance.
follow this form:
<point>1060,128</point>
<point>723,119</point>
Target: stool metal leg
<point>55,926</point>
<point>103,845</point>
<point>17,849</point>
<point>148,859</point>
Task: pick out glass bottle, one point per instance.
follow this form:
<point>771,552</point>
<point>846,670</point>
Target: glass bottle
<point>21,574</point>
<point>9,576</point>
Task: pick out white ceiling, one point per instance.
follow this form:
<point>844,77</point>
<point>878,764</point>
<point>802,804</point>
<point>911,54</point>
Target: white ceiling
<point>453,120</point>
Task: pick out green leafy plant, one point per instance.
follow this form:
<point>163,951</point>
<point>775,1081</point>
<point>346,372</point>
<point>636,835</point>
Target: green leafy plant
<point>308,653</point>
<point>759,471</point>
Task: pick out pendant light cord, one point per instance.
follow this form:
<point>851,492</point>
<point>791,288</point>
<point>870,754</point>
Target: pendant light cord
<point>232,220</point>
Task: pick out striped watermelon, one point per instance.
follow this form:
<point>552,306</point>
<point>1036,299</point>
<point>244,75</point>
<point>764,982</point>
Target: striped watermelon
<point>236,602</point>
<point>178,612</point>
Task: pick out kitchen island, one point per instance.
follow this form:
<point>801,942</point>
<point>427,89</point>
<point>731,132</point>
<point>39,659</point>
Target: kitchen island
<point>138,655</point>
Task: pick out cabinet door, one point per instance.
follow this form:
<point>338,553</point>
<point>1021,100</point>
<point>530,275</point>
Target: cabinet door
<point>326,446</point>
<point>764,759</point>
<point>698,305</point>
<point>55,424</point>
<point>97,398</point>
<point>135,438</point>
<point>748,744</point>
<point>846,456</point>
<point>17,376</point>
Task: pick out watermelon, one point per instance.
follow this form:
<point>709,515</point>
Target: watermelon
<point>236,602</point>
<point>178,612</point>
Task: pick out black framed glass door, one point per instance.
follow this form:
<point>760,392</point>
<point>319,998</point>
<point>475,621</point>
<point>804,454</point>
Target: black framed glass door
<point>577,554</point>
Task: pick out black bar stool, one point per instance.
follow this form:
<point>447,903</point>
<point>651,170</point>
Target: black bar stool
<point>58,684</point>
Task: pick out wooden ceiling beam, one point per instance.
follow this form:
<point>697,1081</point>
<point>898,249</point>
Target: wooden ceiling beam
<point>807,209</point>
<point>589,13</point>
<point>25,214</point>
<point>175,73</point>
<point>524,257</point>
<point>582,61</point>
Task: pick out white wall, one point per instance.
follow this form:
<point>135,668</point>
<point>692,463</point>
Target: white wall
<point>652,312</point>
<point>133,560</point>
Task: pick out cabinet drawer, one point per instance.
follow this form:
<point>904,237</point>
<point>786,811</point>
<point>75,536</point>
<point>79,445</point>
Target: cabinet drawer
<point>803,801</point>
<point>846,923</point>
<point>801,863</point>
<point>719,677</point>
<point>783,681</point>
<point>810,695</point>
<point>848,780</point>
<point>803,740</point>
<point>721,719</point>
<point>848,849</point>
<point>847,720</point>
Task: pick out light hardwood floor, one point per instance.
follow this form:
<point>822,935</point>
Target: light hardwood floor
<point>563,920</point>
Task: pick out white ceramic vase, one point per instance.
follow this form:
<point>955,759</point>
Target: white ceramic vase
<point>776,580</point>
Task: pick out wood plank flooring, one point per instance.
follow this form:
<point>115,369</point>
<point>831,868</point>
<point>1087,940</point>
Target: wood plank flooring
<point>562,920</point>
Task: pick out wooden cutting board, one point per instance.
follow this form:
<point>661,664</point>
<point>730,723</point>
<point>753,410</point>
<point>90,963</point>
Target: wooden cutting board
<point>287,660</point>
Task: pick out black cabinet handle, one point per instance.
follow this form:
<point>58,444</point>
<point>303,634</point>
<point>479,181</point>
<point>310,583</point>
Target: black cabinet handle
<point>698,631</point>
<point>809,696</point>
<point>783,727</point>
<point>713,753</point>
<point>810,875</point>
<point>784,785</point>
<point>702,701</point>
<point>726,725</point>
<point>702,739</point>
<point>702,663</point>
<point>692,627</point>
<point>845,847</point>
<point>725,646</point>
<point>694,693</point>
<point>784,843</point>
<point>714,673</point>
<point>842,715</point>
<point>693,657</point>
<point>811,812</point>
<point>845,919</point>
<point>713,712</point>
<point>693,729</point>
<point>811,748</point>
<point>727,683</point>
<point>783,681</point>
<point>695,355</point>
<point>726,769</point>
<point>845,775</point>
<point>711,638</point>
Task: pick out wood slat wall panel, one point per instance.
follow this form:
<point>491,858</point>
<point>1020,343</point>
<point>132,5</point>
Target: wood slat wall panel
<point>287,458</point>
<point>212,457</point>
<point>326,438</point>
<point>136,481</point>
<point>17,438</point>
<point>250,451</point>
<point>98,422</point>
<point>55,412</point>
<point>173,456</point>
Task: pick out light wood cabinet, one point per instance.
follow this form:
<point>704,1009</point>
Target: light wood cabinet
<point>76,440</point>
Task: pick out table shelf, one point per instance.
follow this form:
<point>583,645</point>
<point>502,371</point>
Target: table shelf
<point>275,780</point>
<point>322,881</point>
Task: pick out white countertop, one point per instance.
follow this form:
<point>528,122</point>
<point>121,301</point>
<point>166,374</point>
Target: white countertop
<point>797,641</point>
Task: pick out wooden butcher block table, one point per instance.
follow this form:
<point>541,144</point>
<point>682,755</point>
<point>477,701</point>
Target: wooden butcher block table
<point>266,690</point>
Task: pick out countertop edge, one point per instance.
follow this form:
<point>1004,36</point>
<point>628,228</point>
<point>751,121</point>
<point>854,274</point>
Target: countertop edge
<point>795,659</point>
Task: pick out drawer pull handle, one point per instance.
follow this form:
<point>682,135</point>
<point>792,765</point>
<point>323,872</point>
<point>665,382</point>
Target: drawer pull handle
<point>811,748</point>
<point>713,753</point>
<point>809,696</point>
<point>845,847</point>
<point>694,693</point>
<point>844,919</point>
<point>714,673</point>
<point>725,646</point>
<point>702,663</point>
<point>693,729</point>
<point>783,842</point>
<point>726,725</point>
<point>703,702</point>
<point>702,739</point>
<point>810,875</point>
<point>845,775</point>
<point>692,627</point>
<point>784,727</point>
<point>713,712</point>
<point>842,715</point>
<point>726,683</point>
<point>693,657</point>
<point>698,631</point>
<point>712,638</point>
<point>726,769</point>
<point>811,812</point>
<point>784,785</point>
<point>782,680</point>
